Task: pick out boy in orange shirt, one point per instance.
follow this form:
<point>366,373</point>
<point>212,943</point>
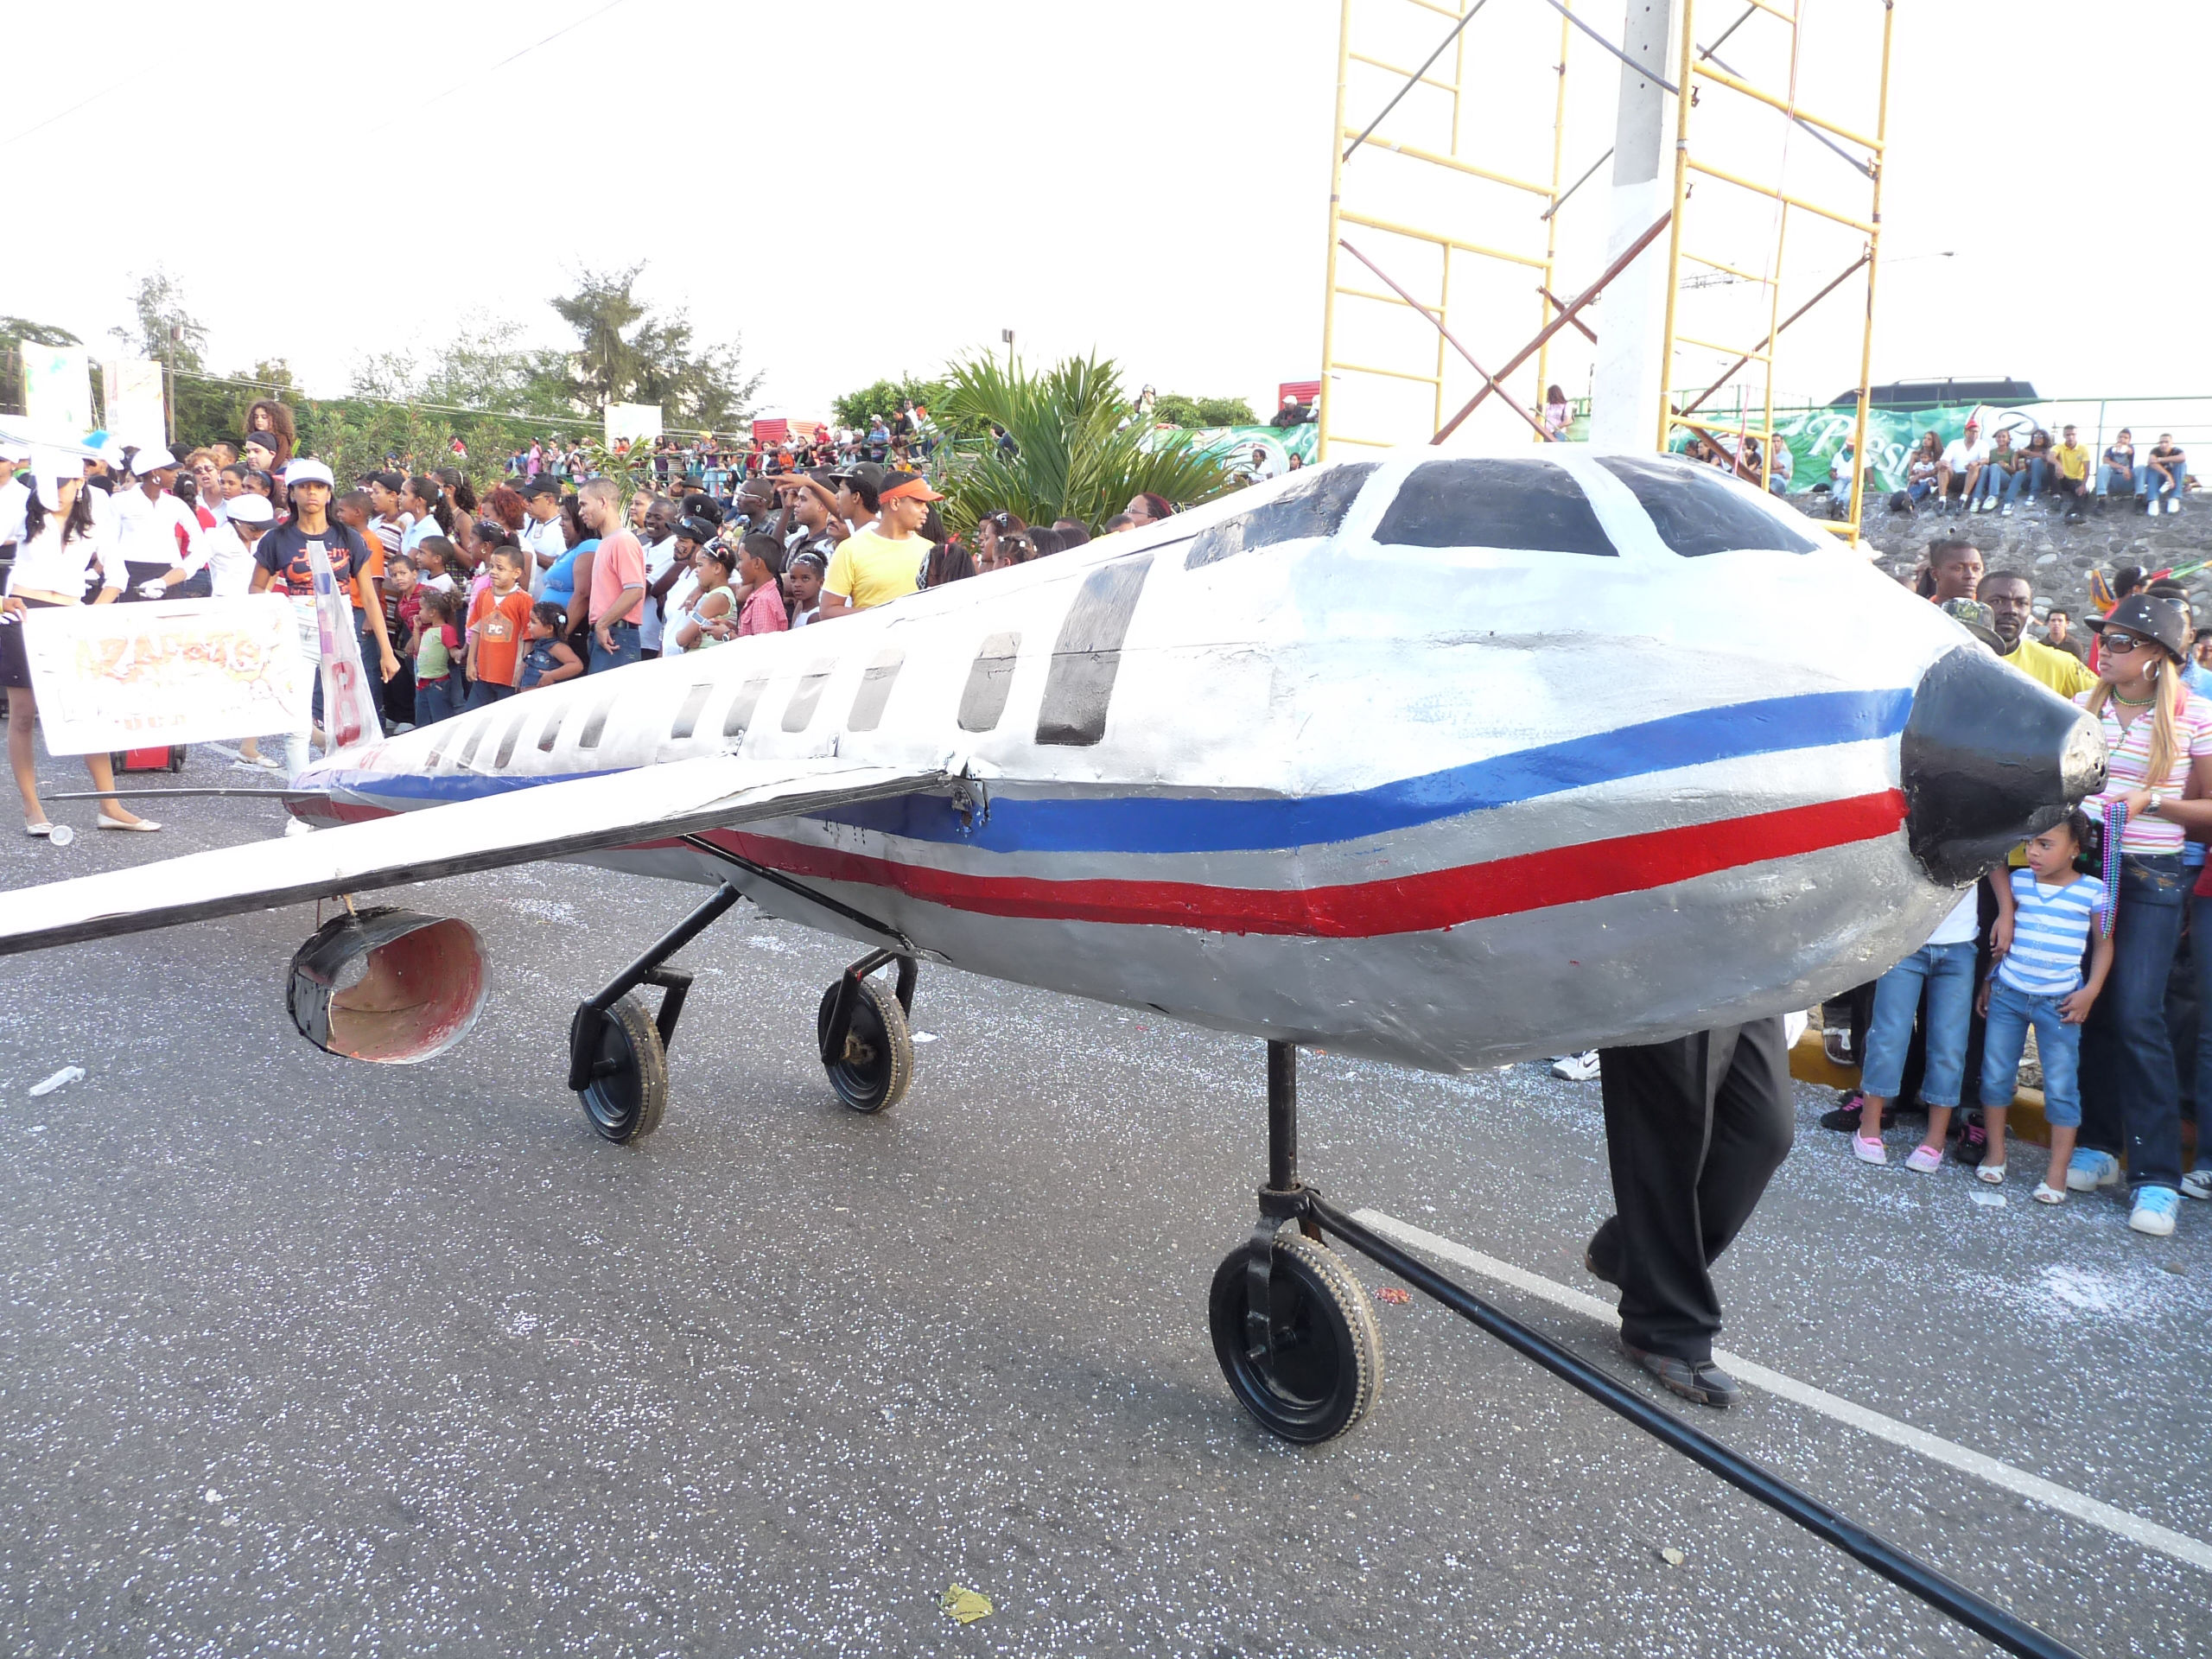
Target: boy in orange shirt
<point>497,622</point>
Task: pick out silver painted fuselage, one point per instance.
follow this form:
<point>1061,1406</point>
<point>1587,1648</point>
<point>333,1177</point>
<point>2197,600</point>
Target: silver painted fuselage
<point>1445,806</point>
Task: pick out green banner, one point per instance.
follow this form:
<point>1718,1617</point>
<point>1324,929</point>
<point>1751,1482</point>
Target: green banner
<point>1280,442</point>
<point>1814,436</point>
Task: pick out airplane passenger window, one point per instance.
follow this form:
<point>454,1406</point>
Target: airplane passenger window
<point>1698,509</point>
<point>742,705</point>
<point>1087,656</point>
<point>596,723</point>
<point>990,677</point>
<point>552,733</point>
<point>475,736</point>
<point>807,693</point>
<point>1315,509</point>
<point>874,694</point>
<point>1527,505</point>
<point>509,738</point>
<point>687,717</point>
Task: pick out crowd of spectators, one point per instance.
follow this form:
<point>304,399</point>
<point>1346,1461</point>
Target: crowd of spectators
<point>459,601</point>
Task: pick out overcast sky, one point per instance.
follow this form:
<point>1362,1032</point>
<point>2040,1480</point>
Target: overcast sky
<point>859,188</point>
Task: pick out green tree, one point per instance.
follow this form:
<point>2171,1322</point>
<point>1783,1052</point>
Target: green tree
<point>627,353</point>
<point>1175,410</point>
<point>1078,455</point>
<point>887,398</point>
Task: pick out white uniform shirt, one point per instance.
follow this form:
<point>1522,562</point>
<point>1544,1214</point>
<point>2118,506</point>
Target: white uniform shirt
<point>163,532</point>
<point>652,623</point>
<point>15,497</point>
<point>230,562</point>
<point>1960,455</point>
<point>547,539</point>
<point>45,564</point>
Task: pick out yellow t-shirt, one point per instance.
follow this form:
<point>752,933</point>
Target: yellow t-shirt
<point>2064,673</point>
<point>2073,460</point>
<point>872,570</point>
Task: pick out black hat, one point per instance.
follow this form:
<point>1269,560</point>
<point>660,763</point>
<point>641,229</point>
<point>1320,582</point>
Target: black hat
<point>869,473</point>
<point>697,532</point>
<point>543,484</point>
<point>2153,617</point>
<point>703,506</point>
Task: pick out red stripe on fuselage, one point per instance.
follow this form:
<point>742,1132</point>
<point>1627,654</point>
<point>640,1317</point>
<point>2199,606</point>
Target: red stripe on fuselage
<point>1413,904</point>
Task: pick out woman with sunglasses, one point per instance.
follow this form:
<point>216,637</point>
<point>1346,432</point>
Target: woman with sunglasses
<point>2158,742</point>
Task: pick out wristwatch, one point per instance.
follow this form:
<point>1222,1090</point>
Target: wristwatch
<point>2157,801</point>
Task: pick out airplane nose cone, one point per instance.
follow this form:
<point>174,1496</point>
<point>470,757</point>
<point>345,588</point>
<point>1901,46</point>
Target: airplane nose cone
<point>1989,759</point>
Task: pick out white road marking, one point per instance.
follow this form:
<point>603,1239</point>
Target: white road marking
<point>2133,1528</point>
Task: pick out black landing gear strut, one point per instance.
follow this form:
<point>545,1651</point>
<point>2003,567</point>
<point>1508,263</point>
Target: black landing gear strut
<point>618,1054</point>
<point>1296,1338</point>
<point>866,1046</point>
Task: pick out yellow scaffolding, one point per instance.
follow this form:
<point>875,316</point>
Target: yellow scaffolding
<point>1528,237</point>
<point>1698,66</point>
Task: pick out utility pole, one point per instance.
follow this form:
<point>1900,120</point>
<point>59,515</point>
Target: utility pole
<point>1630,379</point>
<point>168,378</point>
<point>1007,334</point>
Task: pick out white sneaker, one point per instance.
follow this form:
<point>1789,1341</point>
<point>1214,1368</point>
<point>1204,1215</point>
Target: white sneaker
<point>2173,504</point>
<point>2005,512</point>
<point>2198,1184</point>
<point>1576,1068</point>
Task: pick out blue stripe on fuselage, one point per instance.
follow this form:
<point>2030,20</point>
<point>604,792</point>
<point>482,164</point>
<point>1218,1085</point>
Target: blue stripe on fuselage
<point>1185,824</point>
<point>1172,823</point>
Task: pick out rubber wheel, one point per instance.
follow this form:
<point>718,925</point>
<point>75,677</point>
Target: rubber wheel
<point>1325,1366</point>
<point>625,1100</point>
<point>879,1059</point>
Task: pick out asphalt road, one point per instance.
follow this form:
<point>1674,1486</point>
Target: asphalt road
<point>304,1356</point>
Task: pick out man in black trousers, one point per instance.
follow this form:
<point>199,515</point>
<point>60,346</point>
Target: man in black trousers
<point>1694,1128</point>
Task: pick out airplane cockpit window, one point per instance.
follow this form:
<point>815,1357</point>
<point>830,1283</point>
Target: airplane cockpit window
<point>990,680</point>
<point>1313,508</point>
<point>1530,506</point>
<point>807,693</point>
<point>1697,510</point>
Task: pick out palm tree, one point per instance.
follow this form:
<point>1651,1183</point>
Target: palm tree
<point>1078,453</point>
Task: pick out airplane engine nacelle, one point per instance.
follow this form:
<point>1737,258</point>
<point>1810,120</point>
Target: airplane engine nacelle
<point>388,985</point>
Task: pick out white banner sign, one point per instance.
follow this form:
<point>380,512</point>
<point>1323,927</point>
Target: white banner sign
<point>130,390</point>
<point>175,670</point>
<point>58,388</point>
<point>638,422</point>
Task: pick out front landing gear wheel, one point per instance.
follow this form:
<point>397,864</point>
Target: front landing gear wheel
<point>877,1062</point>
<point>1324,1368</point>
<point>626,1066</point>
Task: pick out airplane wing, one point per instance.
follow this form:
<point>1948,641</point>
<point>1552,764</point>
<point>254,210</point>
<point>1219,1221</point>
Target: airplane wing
<point>579,815</point>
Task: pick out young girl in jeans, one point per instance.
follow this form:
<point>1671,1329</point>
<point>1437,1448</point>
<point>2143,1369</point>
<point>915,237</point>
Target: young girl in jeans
<point>1945,966</point>
<point>2045,915</point>
<point>2158,743</point>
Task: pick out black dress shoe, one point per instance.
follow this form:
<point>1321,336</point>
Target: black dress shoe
<point>1590,1266</point>
<point>1699,1380</point>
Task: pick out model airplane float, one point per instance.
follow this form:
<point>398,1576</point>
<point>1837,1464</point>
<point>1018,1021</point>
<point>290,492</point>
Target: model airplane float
<point>1443,759</point>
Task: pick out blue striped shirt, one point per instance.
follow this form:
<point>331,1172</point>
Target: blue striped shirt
<point>2051,929</point>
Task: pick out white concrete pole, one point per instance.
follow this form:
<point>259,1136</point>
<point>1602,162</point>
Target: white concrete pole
<point>1631,314</point>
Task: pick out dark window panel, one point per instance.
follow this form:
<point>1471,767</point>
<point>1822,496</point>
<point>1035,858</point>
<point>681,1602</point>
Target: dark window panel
<point>742,705</point>
<point>509,738</point>
<point>596,722</point>
<point>874,694</point>
<point>1088,654</point>
<point>552,733</point>
<point>1527,506</point>
<point>1697,510</point>
<point>687,717</point>
<point>990,677</point>
<point>475,736</point>
<point>1316,509</point>
<point>806,694</point>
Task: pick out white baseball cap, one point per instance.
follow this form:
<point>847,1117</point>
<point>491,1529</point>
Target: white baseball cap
<point>308,471</point>
<point>250,509</point>
<point>51,467</point>
<point>151,459</point>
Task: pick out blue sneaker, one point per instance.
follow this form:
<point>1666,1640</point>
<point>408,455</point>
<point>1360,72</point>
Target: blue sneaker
<point>2086,1171</point>
<point>2155,1209</point>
